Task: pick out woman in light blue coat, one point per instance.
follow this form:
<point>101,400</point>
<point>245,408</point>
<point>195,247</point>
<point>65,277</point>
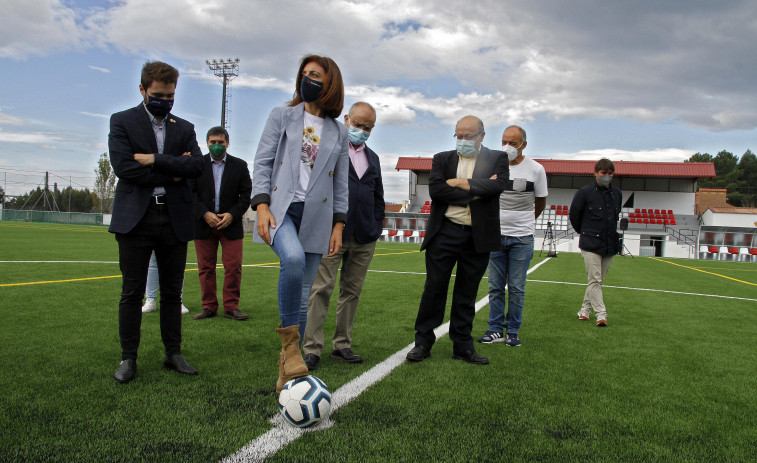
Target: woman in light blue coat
<point>300,193</point>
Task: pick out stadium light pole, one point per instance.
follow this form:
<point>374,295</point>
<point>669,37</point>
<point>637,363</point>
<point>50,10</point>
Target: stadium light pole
<point>226,70</point>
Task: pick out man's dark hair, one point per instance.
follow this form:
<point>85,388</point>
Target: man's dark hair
<point>604,164</point>
<point>218,130</point>
<point>160,71</point>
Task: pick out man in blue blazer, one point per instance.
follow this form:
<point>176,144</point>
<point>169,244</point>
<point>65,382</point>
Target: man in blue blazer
<point>462,230</point>
<point>153,153</point>
<point>365,219</point>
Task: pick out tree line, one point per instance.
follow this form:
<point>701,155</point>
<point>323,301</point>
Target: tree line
<point>71,199</point>
<point>737,175</point>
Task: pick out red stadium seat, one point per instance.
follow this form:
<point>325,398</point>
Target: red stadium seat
<point>552,207</point>
<point>733,250</point>
<point>408,233</point>
<point>672,221</point>
<point>423,234</point>
<point>637,211</point>
<point>670,212</point>
<point>646,221</point>
<point>713,249</point>
<point>665,221</point>
<point>392,232</point>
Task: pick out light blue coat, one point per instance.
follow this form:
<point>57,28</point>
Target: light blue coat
<point>277,171</point>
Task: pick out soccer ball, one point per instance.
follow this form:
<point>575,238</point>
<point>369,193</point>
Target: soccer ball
<point>305,401</point>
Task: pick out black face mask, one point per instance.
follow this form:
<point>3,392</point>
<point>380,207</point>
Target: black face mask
<point>158,107</point>
<point>310,89</point>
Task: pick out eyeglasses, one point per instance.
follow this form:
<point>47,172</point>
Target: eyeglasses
<point>467,137</point>
<point>364,127</point>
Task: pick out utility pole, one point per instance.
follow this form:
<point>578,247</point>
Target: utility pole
<point>226,70</point>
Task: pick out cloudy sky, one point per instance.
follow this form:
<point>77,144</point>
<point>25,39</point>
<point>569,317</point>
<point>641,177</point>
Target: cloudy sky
<point>642,80</point>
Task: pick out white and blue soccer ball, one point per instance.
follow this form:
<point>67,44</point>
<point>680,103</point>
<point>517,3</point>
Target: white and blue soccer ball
<point>305,401</point>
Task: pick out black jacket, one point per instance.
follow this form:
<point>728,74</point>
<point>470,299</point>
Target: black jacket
<point>365,216</point>
<point>131,132</point>
<point>594,215</point>
<point>483,196</point>
<point>236,188</point>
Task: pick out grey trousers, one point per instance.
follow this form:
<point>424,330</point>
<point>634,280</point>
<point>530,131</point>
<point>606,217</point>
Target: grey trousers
<point>597,266</point>
<point>355,259</point>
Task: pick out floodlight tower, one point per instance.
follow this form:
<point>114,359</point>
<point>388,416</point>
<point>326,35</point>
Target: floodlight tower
<point>226,70</point>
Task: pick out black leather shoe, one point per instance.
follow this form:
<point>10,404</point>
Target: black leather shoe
<point>418,353</point>
<point>311,360</point>
<point>177,362</point>
<point>471,356</point>
<point>347,355</point>
<point>126,371</point>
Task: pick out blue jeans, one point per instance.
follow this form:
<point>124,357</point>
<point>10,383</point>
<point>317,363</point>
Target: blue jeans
<point>507,271</point>
<point>298,269</point>
<point>151,291</point>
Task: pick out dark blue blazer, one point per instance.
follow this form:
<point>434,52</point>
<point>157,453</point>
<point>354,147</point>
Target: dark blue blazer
<point>131,132</point>
<point>483,196</point>
<point>234,196</point>
<point>365,215</point>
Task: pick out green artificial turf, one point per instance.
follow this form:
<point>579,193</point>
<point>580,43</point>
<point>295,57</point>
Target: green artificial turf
<point>672,378</point>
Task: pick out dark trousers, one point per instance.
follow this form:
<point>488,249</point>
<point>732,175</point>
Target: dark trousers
<point>152,233</point>
<point>452,245</point>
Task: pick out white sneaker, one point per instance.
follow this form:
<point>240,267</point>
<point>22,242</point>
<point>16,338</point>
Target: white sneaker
<point>149,305</point>
<point>184,309</point>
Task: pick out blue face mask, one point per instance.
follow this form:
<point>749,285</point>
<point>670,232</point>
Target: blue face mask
<point>467,148</point>
<point>310,89</point>
<point>357,136</point>
<point>158,107</point>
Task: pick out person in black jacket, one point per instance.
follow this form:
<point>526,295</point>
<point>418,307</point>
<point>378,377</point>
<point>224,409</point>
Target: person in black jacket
<point>154,153</point>
<point>594,215</point>
<point>463,228</point>
<point>222,196</point>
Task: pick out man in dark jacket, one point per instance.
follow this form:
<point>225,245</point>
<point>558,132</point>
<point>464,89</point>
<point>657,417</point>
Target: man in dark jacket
<point>594,215</point>
<point>463,228</point>
<point>365,218</point>
<point>222,196</point>
<point>153,153</point>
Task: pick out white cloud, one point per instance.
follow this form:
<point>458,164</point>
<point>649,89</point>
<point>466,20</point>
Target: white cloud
<point>647,61</point>
<point>31,137</point>
<point>103,70</point>
<point>10,120</point>
<point>99,116</point>
<point>37,27</point>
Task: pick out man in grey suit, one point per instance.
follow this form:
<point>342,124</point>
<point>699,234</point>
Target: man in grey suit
<point>463,228</point>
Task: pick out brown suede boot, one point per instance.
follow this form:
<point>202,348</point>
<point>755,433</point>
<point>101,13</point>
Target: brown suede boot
<point>291,364</point>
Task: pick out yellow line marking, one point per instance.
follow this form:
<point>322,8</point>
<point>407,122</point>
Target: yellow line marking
<point>5,285</point>
<point>57,281</point>
<point>705,271</point>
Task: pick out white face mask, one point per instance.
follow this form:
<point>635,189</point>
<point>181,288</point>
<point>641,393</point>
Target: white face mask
<point>467,148</point>
<point>512,152</point>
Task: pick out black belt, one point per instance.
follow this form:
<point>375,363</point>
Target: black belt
<point>160,200</point>
<point>457,225</point>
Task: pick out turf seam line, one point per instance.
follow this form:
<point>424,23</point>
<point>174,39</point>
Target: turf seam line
<point>283,433</point>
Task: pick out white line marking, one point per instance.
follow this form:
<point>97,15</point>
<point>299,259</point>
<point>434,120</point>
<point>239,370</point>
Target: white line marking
<point>283,433</point>
<point>647,289</point>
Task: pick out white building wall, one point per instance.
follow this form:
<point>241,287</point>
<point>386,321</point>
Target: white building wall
<point>720,219</point>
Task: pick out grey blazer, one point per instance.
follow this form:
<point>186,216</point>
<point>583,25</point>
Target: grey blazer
<point>276,176</point>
